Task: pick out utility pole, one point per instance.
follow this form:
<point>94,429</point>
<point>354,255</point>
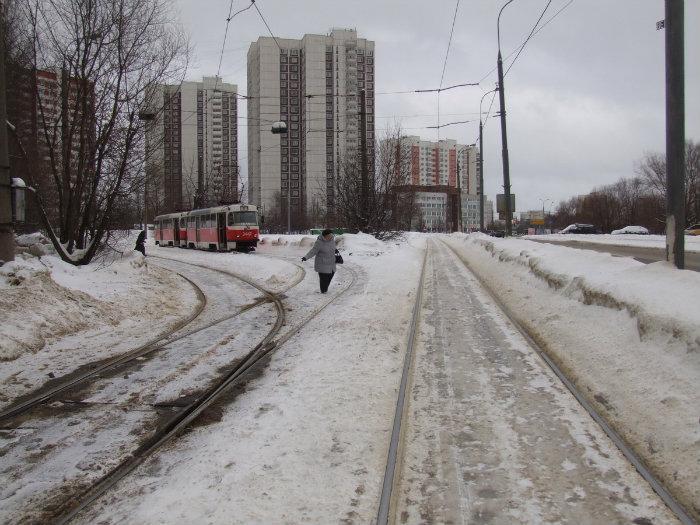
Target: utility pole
<point>7,249</point>
<point>481,174</point>
<point>675,133</point>
<point>504,135</point>
<point>504,142</point>
<point>459,192</point>
<point>364,193</point>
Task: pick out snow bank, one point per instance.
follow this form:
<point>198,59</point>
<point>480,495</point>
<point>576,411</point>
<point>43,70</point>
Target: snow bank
<point>43,298</point>
<point>692,243</point>
<point>274,275</point>
<point>353,243</point>
<point>627,334</point>
<point>660,298</point>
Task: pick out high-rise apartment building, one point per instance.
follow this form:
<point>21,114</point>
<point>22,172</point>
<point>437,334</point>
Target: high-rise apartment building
<point>438,163</point>
<point>441,172</point>
<point>46,108</point>
<point>192,146</point>
<point>316,86</point>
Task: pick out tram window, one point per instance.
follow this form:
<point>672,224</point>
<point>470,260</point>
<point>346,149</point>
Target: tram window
<point>245,217</point>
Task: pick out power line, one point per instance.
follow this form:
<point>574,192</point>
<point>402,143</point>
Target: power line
<point>529,36</point>
<point>449,44</point>
<point>444,66</point>
<point>534,34</point>
<point>266,24</point>
<point>223,45</point>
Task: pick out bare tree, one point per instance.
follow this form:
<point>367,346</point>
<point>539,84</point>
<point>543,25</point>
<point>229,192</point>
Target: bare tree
<point>384,205</point>
<point>105,55</point>
<point>652,170</point>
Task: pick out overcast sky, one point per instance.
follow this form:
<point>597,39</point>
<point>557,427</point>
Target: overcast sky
<point>585,100</point>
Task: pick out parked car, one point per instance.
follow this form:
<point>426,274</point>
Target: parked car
<point>580,228</point>
<point>693,230</point>
<point>638,230</point>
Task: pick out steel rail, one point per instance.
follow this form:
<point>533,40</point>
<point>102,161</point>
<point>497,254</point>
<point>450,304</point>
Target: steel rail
<point>99,367</point>
<point>396,431</point>
<point>183,419</point>
<point>636,461</point>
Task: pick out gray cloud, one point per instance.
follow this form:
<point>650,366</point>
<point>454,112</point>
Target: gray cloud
<point>585,99</point>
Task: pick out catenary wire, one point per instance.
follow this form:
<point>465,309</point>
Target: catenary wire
<point>444,66</point>
<point>522,46</point>
<point>266,24</point>
<point>223,45</point>
<point>549,20</point>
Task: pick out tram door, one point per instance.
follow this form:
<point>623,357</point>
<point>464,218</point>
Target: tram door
<point>222,230</point>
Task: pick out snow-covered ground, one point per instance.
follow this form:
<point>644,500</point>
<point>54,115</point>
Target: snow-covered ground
<point>308,442</point>
<point>307,439</point>
<point>692,243</point>
<point>57,317</point>
<point>628,334</point>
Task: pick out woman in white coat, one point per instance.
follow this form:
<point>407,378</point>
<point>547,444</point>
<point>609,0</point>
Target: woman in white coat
<point>324,251</point>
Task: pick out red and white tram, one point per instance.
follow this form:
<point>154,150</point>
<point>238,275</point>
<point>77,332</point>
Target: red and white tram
<point>223,228</point>
<point>167,229</point>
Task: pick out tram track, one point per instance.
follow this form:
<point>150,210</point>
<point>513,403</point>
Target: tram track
<point>184,418</point>
<point>91,370</point>
<point>628,451</point>
<point>387,502</point>
<point>149,426</point>
<point>94,370</point>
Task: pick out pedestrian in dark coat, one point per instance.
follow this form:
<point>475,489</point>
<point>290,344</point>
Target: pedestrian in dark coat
<point>141,243</point>
<point>324,251</point>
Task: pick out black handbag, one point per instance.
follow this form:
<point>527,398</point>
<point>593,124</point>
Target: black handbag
<point>338,258</point>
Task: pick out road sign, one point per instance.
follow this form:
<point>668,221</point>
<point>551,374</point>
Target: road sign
<point>501,203</point>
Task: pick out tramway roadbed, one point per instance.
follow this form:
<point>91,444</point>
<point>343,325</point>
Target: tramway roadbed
<point>291,448</point>
<point>89,430</point>
<point>616,368</point>
<point>65,358</point>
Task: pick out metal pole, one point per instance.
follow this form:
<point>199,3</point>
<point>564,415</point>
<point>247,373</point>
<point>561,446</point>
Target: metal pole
<point>504,135</point>
<point>504,142</point>
<point>675,133</point>
<point>459,191</point>
<point>365,175</point>
<point>481,174</point>
<point>289,205</point>
<point>7,249</point>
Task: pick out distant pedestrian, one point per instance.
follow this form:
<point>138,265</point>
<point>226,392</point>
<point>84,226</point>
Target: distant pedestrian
<point>324,251</point>
<point>141,243</point>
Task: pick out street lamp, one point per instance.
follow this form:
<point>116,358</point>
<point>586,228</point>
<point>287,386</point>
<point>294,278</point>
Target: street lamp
<point>481,162</point>
<point>504,135</point>
<point>280,128</point>
<point>544,217</point>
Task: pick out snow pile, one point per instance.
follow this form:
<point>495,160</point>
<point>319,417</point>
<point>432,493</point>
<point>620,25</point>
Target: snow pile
<point>692,243</point>
<point>353,243</point>
<point>43,298</point>
<point>274,275</point>
<point>662,300</point>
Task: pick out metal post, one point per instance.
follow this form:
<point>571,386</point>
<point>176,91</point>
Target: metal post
<point>504,142</point>
<point>481,174</point>
<point>459,192</point>
<point>289,205</point>
<point>7,249</point>
<point>363,153</point>
<point>675,133</point>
